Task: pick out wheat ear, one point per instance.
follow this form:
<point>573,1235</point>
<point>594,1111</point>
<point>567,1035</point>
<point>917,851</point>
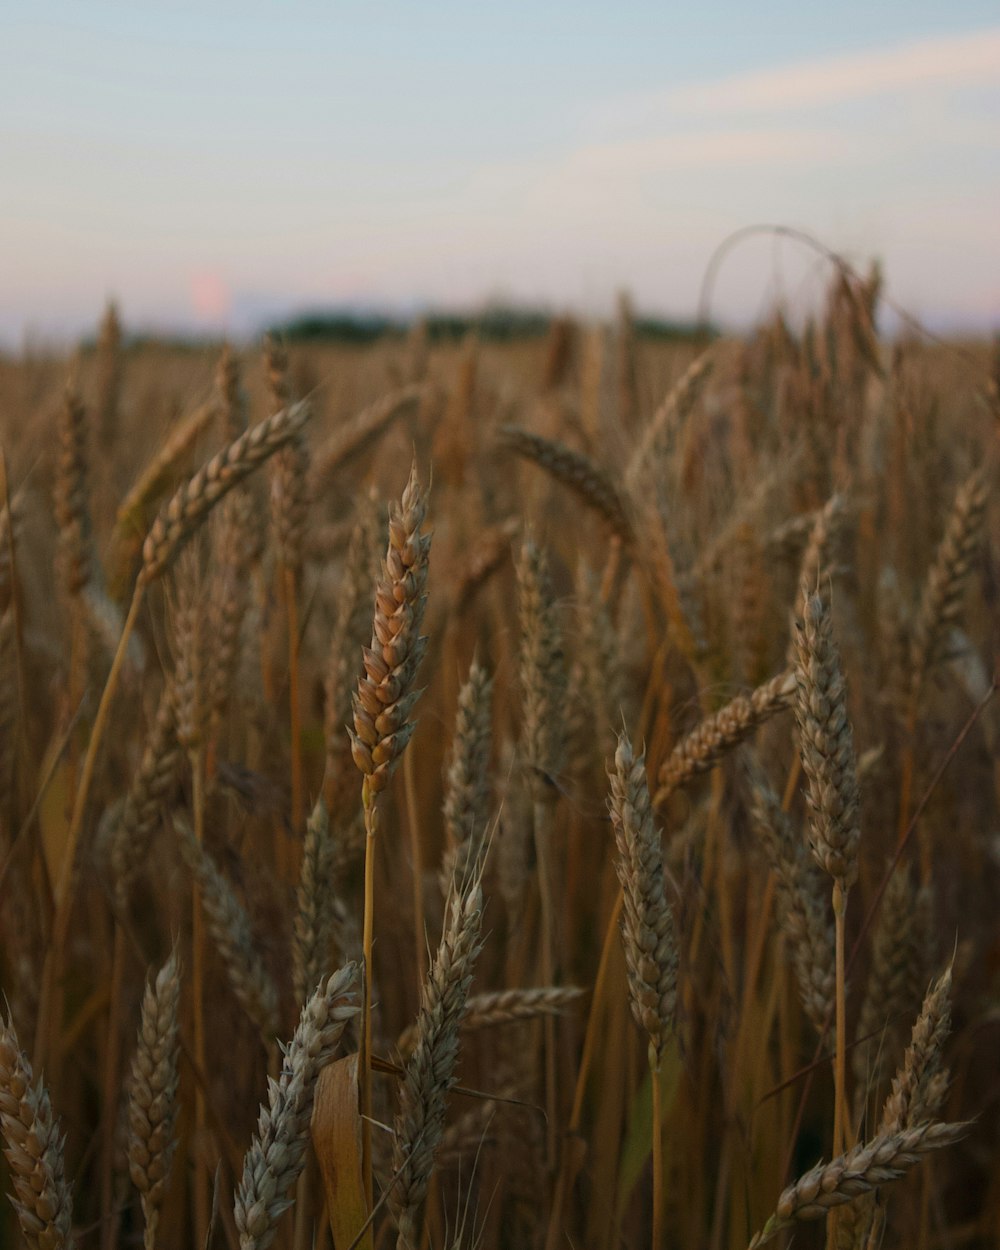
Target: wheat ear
<point>382,728</point>
<point>826,745</point>
<point>315,915</point>
<point>430,1071</point>
<point>892,977</point>
<point>648,934</point>
<point>275,1159</point>
<point>72,499</point>
<point>803,911</point>
<point>919,1085</point>
<point>354,436</point>
<point>196,498</point>
<point>647,924</point>
<point>719,733</point>
<point>871,1164</point>
<point>33,1149</point>
<point>152,1108</point>
<point>230,926</point>
<point>385,694</point>
<point>592,484</point>
<point>467,789</point>
<point>941,599</point>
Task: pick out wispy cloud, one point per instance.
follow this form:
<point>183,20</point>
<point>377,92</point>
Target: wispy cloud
<point>955,61</point>
<point>690,150</point>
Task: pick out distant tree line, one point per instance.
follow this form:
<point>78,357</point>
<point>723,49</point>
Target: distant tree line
<point>496,324</point>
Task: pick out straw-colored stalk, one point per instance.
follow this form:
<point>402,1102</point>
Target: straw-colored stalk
<point>191,714</point>
<point>109,375</point>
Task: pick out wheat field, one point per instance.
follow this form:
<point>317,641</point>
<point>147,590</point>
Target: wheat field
<point>538,794</point>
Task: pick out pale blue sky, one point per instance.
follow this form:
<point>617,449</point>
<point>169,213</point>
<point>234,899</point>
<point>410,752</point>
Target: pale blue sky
<point>209,166</point>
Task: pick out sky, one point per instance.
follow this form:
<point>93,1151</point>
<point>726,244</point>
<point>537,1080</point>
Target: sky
<point>212,167</point>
